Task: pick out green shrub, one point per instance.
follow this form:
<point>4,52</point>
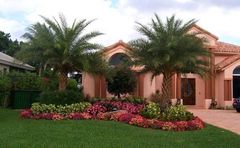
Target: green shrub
<point>26,80</point>
<point>61,97</point>
<point>121,80</point>
<point>72,84</point>
<point>176,113</point>
<point>49,83</point>
<point>5,88</point>
<point>135,100</point>
<point>38,108</point>
<point>159,99</point>
<point>151,110</point>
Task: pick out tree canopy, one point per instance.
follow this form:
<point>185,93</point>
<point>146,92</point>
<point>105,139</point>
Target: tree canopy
<point>7,45</point>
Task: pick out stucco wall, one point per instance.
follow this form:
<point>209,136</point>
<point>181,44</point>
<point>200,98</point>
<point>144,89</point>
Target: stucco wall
<point>200,89</point>
<point>210,40</point>
<point>149,86</point>
<point>119,49</point>
<point>218,59</point>
<point>219,88</point>
<point>228,72</point>
<point>88,84</point>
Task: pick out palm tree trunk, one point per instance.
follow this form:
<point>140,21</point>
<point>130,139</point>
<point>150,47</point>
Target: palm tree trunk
<point>166,90</point>
<point>62,81</point>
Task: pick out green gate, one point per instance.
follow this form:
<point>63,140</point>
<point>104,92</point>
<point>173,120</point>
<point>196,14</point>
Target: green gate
<point>24,98</point>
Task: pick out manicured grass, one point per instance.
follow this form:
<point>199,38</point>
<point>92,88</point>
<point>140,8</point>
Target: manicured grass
<point>17,132</point>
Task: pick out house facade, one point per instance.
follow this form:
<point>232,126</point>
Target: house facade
<point>223,84</point>
<point>8,63</point>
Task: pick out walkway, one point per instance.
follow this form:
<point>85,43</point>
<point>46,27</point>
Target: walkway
<point>227,119</point>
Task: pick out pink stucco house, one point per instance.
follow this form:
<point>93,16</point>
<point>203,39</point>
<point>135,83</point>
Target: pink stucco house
<point>223,84</point>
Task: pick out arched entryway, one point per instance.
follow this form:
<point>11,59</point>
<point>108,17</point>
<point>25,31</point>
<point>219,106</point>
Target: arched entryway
<point>236,82</point>
<point>123,59</point>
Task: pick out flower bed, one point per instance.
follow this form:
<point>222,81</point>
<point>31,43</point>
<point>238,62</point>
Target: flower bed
<point>126,113</point>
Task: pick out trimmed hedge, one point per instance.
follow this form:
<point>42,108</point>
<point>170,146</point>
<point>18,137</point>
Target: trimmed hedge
<point>61,97</point>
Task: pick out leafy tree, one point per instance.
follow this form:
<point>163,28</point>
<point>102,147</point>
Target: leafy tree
<point>168,48</point>
<point>121,81</point>
<point>7,45</point>
<point>64,48</point>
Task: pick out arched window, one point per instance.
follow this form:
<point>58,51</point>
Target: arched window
<point>118,58</point>
<point>236,82</point>
<point>236,71</point>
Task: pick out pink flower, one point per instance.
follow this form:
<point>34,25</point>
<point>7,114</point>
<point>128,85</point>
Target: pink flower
<point>27,113</point>
<point>57,117</point>
<point>95,109</point>
<point>168,126</point>
<point>86,115</point>
<point>181,125</point>
<point>75,116</point>
<point>127,117</point>
<point>139,121</point>
<point>115,115</point>
<point>47,116</point>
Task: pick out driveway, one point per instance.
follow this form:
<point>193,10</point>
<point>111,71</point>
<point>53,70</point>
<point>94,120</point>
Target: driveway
<point>227,119</point>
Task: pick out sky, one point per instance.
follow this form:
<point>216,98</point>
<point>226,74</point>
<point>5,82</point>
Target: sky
<point>117,18</point>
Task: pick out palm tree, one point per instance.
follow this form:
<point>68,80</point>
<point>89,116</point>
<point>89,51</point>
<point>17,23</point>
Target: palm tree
<point>65,48</point>
<point>168,49</point>
<point>32,52</point>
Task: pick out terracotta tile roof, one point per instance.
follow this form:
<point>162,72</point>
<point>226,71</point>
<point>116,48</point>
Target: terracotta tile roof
<point>226,62</point>
<point>227,48</point>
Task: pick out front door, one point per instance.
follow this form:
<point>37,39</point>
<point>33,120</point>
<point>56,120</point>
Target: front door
<point>188,91</point>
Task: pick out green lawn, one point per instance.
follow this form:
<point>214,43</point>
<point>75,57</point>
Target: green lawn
<point>17,132</point>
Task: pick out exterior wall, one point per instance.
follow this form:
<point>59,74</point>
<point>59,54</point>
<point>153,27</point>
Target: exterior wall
<point>210,40</point>
<point>2,67</point>
<point>219,58</point>
<point>200,89</point>
<point>119,49</point>
<point>219,88</point>
<point>88,84</point>
<point>158,83</point>
<point>149,86</point>
<point>228,72</point>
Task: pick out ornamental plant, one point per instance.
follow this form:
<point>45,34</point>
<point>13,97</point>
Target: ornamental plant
<point>151,110</point>
<point>126,118</point>
<point>121,81</point>
<point>38,108</point>
<point>95,109</point>
<point>176,113</point>
<point>119,105</point>
<point>139,121</point>
<point>99,111</point>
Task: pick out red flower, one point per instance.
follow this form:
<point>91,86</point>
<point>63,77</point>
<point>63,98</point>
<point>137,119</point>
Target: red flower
<point>47,116</point>
<point>139,121</point>
<point>86,115</point>
<point>75,116</point>
<point>169,126</point>
<point>95,109</point>
<point>27,113</point>
<point>57,117</point>
<point>115,115</point>
<point>127,117</point>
